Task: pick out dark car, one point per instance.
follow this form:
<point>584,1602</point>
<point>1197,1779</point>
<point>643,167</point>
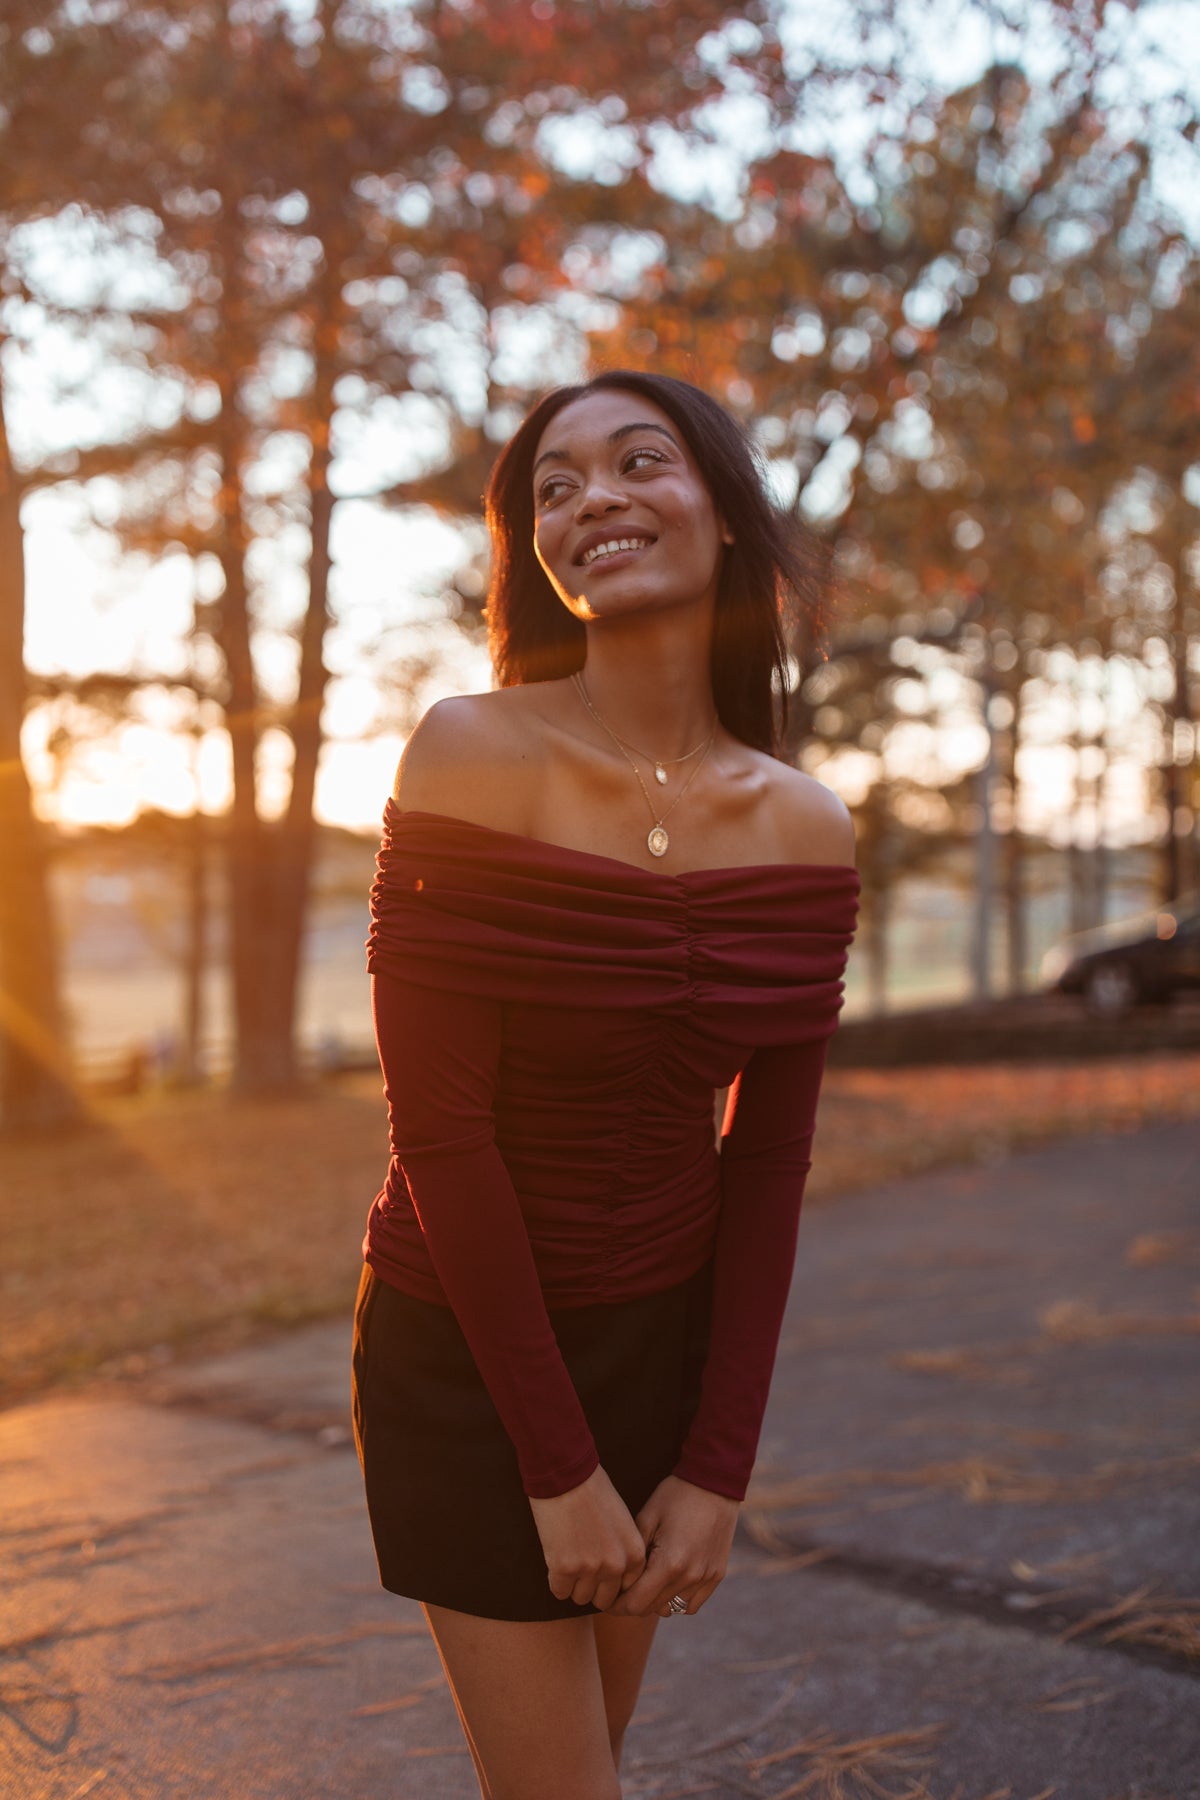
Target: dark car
<point>1130,962</point>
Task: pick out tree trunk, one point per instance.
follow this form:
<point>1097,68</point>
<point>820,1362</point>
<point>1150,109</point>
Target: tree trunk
<point>296,834</point>
<point>195,964</point>
<point>1104,855</point>
<point>878,925</point>
<point>35,1084</point>
<point>262,1061</point>
<point>264,1053</point>
<point>1079,916</point>
<point>1016,921</point>
<point>270,865</point>
<point>1179,732</point>
<point>985,889</point>
<point>1178,726</point>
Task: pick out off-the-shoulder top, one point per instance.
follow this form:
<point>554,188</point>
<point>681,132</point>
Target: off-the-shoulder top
<point>552,1026</point>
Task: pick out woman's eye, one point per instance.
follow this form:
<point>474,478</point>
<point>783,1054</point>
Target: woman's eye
<point>650,455</point>
<point>549,489</point>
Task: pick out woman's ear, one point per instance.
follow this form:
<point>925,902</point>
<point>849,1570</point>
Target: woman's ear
<point>727,536</point>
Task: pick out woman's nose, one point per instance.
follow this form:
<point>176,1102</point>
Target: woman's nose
<point>599,493</point>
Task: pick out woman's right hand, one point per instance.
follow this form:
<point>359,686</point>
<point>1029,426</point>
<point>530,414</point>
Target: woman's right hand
<point>592,1546</point>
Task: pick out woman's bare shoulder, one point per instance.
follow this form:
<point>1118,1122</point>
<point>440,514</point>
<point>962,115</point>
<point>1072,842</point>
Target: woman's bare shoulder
<point>467,758</point>
<point>814,823</point>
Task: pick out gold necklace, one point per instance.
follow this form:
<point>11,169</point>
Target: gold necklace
<point>661,763</point>
<point>657,841</point>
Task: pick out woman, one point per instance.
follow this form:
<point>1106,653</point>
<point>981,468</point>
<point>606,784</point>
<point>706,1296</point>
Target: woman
<point>601,899</point>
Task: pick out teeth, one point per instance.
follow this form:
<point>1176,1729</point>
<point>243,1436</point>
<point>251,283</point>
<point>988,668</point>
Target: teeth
<point>613,545</point>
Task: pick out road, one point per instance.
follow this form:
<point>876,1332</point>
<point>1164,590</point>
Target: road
<point>967,1569</point>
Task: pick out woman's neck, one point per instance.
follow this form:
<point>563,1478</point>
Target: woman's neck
<point>652,685</point>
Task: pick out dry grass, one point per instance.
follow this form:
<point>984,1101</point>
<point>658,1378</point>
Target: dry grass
<point>1061,1322</point>
<point>312,1650</point>
<point>879,1123</point>
<point>192,1221</point>
<point>1077,1695</point>
<point>1079,1322</point>
<point>978,1480</point>
<point>182,1220</point>
<point>1150,1248</point>
<point>964,1365</point>
<point>1158,1621</point>
<point>890,1766</point>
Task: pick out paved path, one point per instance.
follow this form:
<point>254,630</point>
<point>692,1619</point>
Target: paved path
<point>972,1528</point>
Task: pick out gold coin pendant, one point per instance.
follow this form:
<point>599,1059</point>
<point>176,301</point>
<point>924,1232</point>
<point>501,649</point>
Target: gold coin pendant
<point>658,843</point>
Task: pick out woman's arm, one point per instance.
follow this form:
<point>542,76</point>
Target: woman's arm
<point>766,1151</point>
<point>439,1052</point>
<point>688,1522</point>
<point>765,1158</point>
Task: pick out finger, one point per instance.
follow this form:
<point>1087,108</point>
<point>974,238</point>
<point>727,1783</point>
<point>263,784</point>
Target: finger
<point>634,1570</point>
<point>679,1580</point>
<point>606,1593</point>
<point>649,1523</point>
<point>596,1587</point>
<point>627,1604</point>
<point>635,1581</point>
<point>645,1596</point>
<point>562,1585</point>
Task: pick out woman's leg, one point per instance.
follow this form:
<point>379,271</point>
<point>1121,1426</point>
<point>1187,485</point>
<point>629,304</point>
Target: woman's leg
<point>533,1703</point>
<point>622,1650</point>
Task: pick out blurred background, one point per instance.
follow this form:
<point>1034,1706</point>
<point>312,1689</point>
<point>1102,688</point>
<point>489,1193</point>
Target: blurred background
<point>276,281</point>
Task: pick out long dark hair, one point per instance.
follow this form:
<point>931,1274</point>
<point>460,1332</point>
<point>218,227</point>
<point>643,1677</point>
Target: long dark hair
<point>772,576</point>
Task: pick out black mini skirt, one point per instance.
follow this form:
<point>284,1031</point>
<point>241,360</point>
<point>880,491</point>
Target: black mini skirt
<point>449,1517</point>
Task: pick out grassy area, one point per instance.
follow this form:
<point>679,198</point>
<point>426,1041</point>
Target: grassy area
<point>188,1222</point>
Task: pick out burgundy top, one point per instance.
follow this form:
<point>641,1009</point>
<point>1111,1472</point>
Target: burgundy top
<point>552,1025</point>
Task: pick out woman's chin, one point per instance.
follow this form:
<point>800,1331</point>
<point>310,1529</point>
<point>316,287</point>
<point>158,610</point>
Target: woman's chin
<point>630,603</point>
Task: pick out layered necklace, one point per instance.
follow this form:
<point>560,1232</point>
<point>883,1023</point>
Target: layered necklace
<point>657,841</point>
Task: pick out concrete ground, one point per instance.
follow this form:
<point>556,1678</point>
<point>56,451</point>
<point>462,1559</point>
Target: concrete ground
<point>964,1571</point>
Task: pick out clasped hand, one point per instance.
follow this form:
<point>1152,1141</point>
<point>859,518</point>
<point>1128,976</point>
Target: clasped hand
<point>598,1554</point>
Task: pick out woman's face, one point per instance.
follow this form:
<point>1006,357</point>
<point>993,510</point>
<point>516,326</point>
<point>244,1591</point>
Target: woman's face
<point>622,518</point>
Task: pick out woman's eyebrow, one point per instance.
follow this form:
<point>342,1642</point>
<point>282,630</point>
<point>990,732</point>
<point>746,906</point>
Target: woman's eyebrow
<point>614,437</point>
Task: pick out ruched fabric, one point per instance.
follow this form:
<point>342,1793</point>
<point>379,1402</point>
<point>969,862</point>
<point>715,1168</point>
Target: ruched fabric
<point>552,1025</point>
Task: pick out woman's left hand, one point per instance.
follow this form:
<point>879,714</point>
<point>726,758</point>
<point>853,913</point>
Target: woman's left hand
<point>687,1532</point>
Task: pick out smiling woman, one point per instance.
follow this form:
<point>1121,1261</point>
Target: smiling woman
<point>572,1296</point>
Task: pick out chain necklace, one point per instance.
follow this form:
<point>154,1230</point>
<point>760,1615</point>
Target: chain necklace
<point>657,841</point>
<point>661,763</point>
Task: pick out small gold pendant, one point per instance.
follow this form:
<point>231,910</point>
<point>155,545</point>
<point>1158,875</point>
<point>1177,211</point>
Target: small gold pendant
<point>660,775</point>
<point>658,843</point>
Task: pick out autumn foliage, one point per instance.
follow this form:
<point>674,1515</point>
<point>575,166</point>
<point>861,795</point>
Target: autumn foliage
<point>965,334</point>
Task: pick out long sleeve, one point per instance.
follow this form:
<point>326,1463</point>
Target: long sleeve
<point>440,1054</point>
<point>765,1158</point>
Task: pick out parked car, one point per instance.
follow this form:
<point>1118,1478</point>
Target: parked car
<point>1130,962</point>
